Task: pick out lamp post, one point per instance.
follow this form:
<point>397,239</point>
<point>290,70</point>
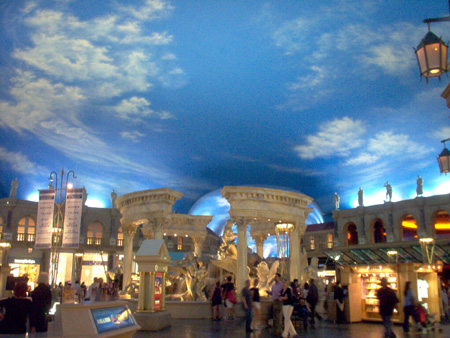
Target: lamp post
<point>432,52</point>
<point>58,220</point>
<point>444,159</point>
<point>427,248</point>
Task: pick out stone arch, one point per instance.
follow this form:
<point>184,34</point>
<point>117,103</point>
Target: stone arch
<point>377,230</point>
<point>350,233</point>
<point>440,224</point>
<point>408,228</point>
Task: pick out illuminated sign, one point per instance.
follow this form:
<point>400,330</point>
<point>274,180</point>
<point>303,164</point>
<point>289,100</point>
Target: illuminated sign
<point>112,318</point>
<point>24,261</point>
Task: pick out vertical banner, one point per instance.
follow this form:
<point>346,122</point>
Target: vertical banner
<point>72,218</point>
<point>158,291</point>
<point>44,224</point>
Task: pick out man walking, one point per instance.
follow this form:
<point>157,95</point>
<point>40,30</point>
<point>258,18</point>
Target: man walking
<point>277,305</point>
<point>312,299</point>
<point>247,305</point>
<point>387,302</point>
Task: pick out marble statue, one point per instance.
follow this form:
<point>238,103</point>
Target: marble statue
<point>303,266</point>
<point>195,274</point>
<point>360,197</point>
<point>228,246</point>
<point>13,191</point>
<point>113,199</point>
<point>266,276</point>
<point>312,270</point>
<point>336,200</point>
<point>388,192</point>
<point>419,189</point>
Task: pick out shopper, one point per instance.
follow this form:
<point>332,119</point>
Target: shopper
<point>277,304</point>
<point>387,302</point>
<point>247,305</point>
<point>305,290</point>
<point>256,304</point>
<point>229,295</point>
<point>216,301</point>
<point>304,312</point>
<point>42,302</point>
<point>17,310</point>
<point>409,306</point>
<point>312,298</point>
<point>288,306</point>
<point>339,298</point>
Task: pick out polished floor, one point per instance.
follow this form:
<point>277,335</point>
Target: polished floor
<point>229,329</point>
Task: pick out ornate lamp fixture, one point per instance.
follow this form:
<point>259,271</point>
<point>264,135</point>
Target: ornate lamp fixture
<point>392,256</point>
<point>283,233</point>
<point>444,159</point>
<point>427,248</point>
<point>432,52</point>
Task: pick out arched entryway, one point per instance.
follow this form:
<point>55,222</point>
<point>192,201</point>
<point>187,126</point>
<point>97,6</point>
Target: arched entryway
<point>351,234</point>
<point>408,228</point>
<point>441,224</point>
<point>378,231</point>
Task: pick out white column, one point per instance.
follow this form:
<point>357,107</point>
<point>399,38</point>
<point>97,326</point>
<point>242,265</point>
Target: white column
<point>241,274</point>
<point>129,231</point>
<point>294,255</point>
<point>259,240</point>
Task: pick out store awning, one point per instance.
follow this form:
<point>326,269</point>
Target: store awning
<point>408,252</point>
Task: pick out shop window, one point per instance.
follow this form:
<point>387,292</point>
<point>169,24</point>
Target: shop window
<point>120,237</point>
<point>442,224</point>
<point>26,229</point>
<point>352,234</point>
<point>330,241</point>
<point>379,233</point>
<point>409,228</point>
<point>180,243</point>
<point>94,234</point>
<point>312,243</point>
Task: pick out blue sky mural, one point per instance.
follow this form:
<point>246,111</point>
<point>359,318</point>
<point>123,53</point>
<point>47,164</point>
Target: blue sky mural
<point>314,96</point>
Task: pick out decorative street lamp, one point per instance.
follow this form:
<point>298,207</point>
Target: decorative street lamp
<point>392,256</point>
<point>283,232</point>
<point>444,159</point>
<point>432,52</point>
<point>427,248</point>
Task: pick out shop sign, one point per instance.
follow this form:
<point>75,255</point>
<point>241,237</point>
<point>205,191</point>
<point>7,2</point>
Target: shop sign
<point>112,318</point>
<point>44,223</point>
<point>72,218</point>
<point>7,236</point>
<point>12,260</point>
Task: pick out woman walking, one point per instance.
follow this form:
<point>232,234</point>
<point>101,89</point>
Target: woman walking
<point>409,306</point>
<point>216,301</point>
<point>256,304</point>
<point>288,307</point>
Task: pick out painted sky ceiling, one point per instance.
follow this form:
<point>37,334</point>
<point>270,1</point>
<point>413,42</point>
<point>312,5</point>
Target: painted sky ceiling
<point>315,96</point>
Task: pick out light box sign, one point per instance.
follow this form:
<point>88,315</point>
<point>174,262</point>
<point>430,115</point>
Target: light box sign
<point>72,218</point>
<point>158,286</point>
<point>44,224</point>
<point>112,318</point>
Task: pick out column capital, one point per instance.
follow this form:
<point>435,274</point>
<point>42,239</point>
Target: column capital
<point>129,229</point>
<point>241,223</point>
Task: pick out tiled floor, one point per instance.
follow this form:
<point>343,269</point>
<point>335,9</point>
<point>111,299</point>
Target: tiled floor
<point>227,329</point>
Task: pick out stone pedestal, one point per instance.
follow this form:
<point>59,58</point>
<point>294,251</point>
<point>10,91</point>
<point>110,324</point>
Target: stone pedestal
<point>153,321</point>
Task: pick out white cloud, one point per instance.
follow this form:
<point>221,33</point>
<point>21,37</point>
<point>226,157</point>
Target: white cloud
<point>134,136</point>
<point>388,144</point>
<point>137,108</point>
<point>19,162</point>
<point>361,159</point>
<point>443,133</point>
<point>309,81</point>
<point>335,138</point>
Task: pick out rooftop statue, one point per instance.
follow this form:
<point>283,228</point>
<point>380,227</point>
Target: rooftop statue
<point>360,197</point>
<point>13,191</point>
<point>419,188</point>
<point>388,192</point>
<point>228,247</point>
<point>336,200</point>
<point>113,199</point>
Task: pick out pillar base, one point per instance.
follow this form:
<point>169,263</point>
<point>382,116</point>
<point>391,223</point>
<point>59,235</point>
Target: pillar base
<point>153,321</point>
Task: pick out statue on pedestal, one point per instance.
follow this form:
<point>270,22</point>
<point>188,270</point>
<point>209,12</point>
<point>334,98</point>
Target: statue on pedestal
<point>13,191</point>
<point>336,200</point>
<point>113,199</point>
<point>360,197</point>
<point>419,189</point>
<point>388,192</point>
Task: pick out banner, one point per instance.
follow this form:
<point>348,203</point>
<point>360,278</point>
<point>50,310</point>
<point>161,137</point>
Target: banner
<point>72,218</point>
<point>44,224</point>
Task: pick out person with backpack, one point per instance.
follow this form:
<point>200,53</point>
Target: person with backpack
<point>287,296</point>
<point>312,298</point>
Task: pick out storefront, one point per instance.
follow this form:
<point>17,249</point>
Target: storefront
<point>363,281</point>
<point>25,263</point>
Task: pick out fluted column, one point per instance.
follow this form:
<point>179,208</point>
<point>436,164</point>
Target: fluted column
<point>151,289</point>
<point>142,294</point>
<point>129,230</point>
<point>241,274</point>
<point>163,292</point>
<point>198,243</point>
<point>259,240</point>
<point>294,259</point>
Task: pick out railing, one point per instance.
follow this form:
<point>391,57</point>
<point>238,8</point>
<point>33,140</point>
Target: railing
<point>93,241</point>
<point>25,237</point>
<point>120,242</point>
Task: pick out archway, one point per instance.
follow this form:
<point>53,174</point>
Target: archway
<point>351,234</point>
<point>378,231</point>
<point>442,224</point>
<point>408,227</point>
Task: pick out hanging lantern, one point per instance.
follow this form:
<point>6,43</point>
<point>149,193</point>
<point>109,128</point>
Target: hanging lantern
<point>444,160</point>
<point>432,56</point>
